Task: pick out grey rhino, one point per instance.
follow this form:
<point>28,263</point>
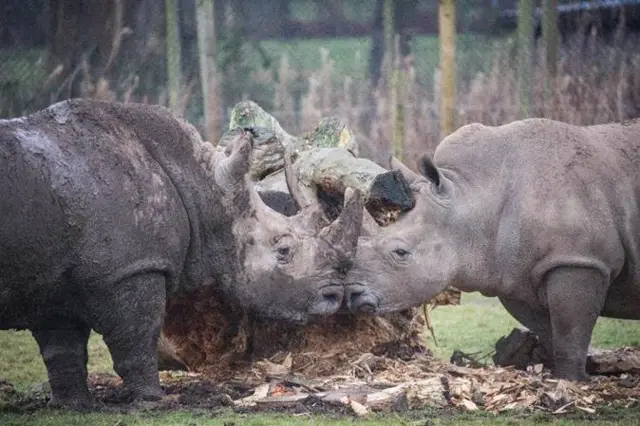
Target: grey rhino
<point>108,208</point>
<point>544,215</point>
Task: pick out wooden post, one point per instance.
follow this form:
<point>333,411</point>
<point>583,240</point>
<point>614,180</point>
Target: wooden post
<point>205,18</point>
<point>173,54</point>
<point>525,56</point>
<point>550,38</point>
<point>447,30</point>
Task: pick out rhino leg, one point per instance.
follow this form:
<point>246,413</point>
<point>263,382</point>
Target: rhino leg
<point>536,320</point>
<point>130,321</point>
<point>63,345</point>
<point>575,297</point>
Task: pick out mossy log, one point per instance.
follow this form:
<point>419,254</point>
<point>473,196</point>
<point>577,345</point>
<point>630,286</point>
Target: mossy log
<point>324,159</point>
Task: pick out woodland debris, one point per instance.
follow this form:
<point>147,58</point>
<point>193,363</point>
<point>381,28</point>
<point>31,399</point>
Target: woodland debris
<point>426,382</point>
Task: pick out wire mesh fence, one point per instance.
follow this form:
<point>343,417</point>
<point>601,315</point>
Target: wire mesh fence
<point>116,50</point>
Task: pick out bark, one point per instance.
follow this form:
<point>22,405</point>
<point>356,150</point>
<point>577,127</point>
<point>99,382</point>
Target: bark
<point>525,56</point>
<point>205,18</point>
<point>173,54</point>
<point>447,28</point>
<point>332,170</point>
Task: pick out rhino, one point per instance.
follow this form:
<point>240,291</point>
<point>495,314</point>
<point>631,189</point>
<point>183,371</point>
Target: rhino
<point>109,208</point>
<point>542,214</point>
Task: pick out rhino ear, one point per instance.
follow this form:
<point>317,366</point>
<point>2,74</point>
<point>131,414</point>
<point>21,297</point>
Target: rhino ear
<point>430,171</point>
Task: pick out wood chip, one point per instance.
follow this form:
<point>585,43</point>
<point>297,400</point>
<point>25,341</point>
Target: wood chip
<point>359,409</point>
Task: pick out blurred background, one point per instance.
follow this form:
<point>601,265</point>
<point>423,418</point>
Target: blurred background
<point>401,73</point>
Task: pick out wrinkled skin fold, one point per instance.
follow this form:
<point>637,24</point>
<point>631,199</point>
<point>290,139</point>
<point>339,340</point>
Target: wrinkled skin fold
<point>542,214</point>
<point>108,209</point>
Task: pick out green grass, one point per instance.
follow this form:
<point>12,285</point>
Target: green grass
<point>476,324</point>
<point>202,418</point>
<point>350,55</point>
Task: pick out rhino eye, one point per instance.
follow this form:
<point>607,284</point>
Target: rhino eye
<point>283,253</point>
<point>401,254</point>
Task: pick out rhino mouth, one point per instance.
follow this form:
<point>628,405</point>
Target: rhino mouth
<point>359,299</point>
<point>328,301</point>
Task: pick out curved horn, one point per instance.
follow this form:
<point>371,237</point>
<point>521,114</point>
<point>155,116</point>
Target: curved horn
<point>369,225</point>
<point>343,233</point>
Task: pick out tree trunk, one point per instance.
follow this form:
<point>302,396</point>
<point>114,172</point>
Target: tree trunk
<point>525,56</point>
<point>208,74</point>
<point>550,39</point>
<point>387,19</point>
<point>173,55</point>
<point>83,36</point>
<point>447,29</point>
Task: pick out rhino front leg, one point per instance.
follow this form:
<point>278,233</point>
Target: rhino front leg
<point>575,297</point>
<point>130,321</point>
<point>63,345</point>
<point>536,320</point>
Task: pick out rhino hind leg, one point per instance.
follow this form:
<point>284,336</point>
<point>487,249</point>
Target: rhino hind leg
<point>63,345</point>
<point>130,321</point>
<point>575,297</point>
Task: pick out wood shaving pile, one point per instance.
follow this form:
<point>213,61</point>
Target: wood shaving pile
<point>379,383</point>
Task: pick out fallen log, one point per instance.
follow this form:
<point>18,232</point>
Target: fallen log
<point>324,162</point>
<point>522,349</point>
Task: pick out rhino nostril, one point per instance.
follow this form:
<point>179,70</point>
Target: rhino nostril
<point>332,295</point>
<point>360,300</point>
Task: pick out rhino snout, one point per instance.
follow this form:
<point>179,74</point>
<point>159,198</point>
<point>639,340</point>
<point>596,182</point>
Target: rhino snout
<point>360,299</point>
<point>329,300</point>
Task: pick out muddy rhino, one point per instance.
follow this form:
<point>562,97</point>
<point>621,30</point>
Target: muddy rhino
<point>544,215</point>
<point>109,208</point>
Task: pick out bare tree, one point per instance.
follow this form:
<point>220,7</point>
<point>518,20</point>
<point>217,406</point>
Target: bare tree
<point>174,54</point>
<point>525,55</point>
<point>205,17</point>
<point>447,31</point>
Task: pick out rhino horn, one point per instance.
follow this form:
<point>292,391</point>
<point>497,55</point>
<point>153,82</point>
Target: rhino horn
<point>343,233</point>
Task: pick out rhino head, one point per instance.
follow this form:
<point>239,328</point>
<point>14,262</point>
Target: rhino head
<point>413,259</point>
<point>290,268</point>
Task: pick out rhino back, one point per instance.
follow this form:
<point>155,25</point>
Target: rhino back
<point>86,202</point>
<point>539,193</point>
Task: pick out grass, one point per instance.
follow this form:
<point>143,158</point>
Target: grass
<point>201,418</point>
<point>474,326</point>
